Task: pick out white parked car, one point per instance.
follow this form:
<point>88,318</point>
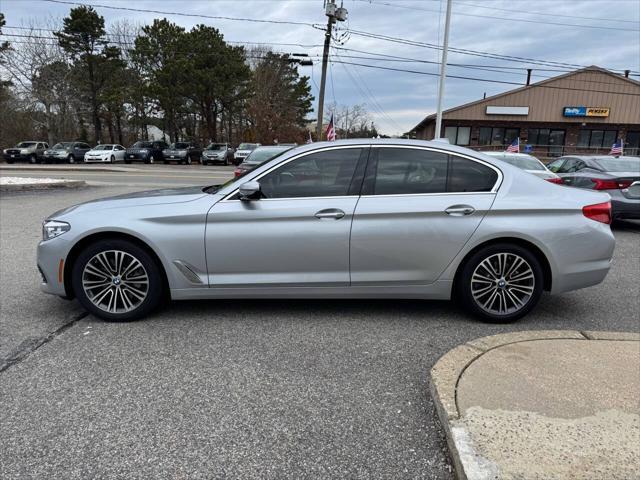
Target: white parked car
<point>528,163</point>
<point>107,152</point>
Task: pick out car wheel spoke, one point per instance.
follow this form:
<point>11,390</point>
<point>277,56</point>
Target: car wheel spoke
<point>502,283</point>
<point>115,281</point>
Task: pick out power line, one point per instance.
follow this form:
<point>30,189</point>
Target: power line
<point>477,53</point>
<point>487,80</point>
<point>555,15</point>
<point>511,19</point>
<point>182,14</point>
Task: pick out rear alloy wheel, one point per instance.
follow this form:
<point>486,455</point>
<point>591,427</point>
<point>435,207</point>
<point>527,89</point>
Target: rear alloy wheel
<point>117,281</point>
<point>71,159</point>
<point>188,160</point>
<point>501,283</point>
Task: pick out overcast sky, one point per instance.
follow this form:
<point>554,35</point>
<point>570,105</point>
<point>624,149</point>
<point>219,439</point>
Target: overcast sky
<point>399,100</point>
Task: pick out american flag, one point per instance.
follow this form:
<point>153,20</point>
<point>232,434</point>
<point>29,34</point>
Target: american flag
<point>331,131</point>
<point>616,148</point>
<point>515,146</point>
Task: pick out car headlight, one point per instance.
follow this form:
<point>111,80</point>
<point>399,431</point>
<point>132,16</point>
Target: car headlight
<point>144,150</point>
<point>54,228</point>
<point>24,151</point>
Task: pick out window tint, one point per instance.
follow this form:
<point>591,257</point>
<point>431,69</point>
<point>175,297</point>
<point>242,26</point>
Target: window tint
<point>322,174</point>
<point>469,176</point>
<point>409,171</point>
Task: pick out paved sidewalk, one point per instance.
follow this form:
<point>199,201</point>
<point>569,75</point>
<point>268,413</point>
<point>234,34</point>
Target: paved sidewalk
<point>542,404</point>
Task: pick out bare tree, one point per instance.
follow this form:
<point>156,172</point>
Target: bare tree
<point>350,121</point>
<point>38,72</point>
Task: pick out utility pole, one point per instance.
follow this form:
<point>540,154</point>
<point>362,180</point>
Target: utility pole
<point>334,14</point>
<point>443,70</point>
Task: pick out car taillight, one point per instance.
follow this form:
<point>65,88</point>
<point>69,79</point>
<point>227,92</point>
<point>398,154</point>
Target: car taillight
<point>554,180</point>
<point>237,172</point>
<point>600,212</point>
<point>601,184</point>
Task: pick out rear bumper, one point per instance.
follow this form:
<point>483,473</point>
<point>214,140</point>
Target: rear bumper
<point>622,207</point>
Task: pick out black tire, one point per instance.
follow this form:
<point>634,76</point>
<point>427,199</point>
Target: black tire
<point>71,159</point>
<point>166,162</point>
<point>33,159</point>
<point>464,284</point>
<point>156,289</point>
<point>112,159</point>
<point>9,162</point>
<point>127,162</point>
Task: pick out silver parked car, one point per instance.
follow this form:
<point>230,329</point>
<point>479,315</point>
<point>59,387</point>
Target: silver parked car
<point>32,151</point>
<point>346,219</point>
<point>528,163</point>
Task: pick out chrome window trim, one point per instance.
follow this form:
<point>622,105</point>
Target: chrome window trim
<point>494,190</point>
<point>295,157</point>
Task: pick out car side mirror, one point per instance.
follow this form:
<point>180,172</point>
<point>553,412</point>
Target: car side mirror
<point>249,191</point>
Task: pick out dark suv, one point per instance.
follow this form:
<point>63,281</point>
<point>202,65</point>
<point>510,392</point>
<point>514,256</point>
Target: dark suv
<point>182,152</point>
<point>147,151</point>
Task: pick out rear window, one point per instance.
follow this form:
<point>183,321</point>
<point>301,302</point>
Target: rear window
<point>409,171</point>
<point>628,164</point>
<point>469,176</point>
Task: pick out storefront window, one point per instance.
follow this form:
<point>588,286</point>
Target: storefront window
<point>632,144</point>
<point>485,136</point>
<point>597,138</point>
<point>510,135</point>
<point>457,135</point>
<point>497,136</point>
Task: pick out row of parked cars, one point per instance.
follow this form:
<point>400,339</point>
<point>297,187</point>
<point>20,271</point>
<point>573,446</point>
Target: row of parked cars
<point>146,151</point>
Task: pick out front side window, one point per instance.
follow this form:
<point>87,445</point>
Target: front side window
<point>321,174</point>
<point>468,176</point>
<point>409,171</point>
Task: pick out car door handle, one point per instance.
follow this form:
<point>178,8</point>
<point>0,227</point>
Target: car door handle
<point>460,210</point>
<point>334,213</point>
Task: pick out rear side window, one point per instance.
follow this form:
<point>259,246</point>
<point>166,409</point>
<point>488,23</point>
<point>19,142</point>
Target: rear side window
<point>469,176</point>
<point>322,174</point>
<point>410,171</point>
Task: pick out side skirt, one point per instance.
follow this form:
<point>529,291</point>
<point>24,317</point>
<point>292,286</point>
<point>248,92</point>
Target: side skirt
<point>440,290</point>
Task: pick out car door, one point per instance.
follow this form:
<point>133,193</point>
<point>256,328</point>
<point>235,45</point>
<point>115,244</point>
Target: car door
<point>419,206</point>
<point>297,233</point>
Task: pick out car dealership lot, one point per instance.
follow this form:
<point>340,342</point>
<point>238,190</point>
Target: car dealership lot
<point>238,388</point>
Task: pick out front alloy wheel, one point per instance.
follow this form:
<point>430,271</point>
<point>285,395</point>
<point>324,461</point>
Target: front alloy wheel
<point>501,283</point>
<point>117,280</point>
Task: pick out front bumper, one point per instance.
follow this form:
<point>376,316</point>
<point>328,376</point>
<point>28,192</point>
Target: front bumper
<point>12,157</point>
<point>95,159</point>
<point>51,257</point>
<point>136,157</point>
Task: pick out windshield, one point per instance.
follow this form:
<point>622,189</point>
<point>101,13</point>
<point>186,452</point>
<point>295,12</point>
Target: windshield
<point>625,164</point>
<point>62,146</point>
<point>216,146</point>
<point>523,162</point>
<point>261,155</point>
<point>179,146</point>
<point>25,144</point>
<point>142,145</point>
<point>103,147</point>
<point>247,146</point>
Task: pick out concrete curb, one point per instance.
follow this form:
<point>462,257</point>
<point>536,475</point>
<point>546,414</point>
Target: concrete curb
<point>42,186</point>
<point>82,167</point>
<point>446,373</point>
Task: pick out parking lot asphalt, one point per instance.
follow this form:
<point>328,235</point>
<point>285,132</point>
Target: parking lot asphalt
<point>241,389</point>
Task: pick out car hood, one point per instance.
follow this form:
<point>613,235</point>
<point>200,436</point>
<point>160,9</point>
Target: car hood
<point>136,199</point>
<point>244,152</point>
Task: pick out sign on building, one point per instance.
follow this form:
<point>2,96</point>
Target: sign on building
<point>585,112</point>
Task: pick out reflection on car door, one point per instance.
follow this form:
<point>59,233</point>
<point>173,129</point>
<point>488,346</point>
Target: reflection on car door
<point>418,209</point>
<point>297,234</point>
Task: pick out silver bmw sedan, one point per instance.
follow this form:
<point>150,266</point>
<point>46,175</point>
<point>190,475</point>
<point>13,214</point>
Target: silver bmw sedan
<point>346,219</point>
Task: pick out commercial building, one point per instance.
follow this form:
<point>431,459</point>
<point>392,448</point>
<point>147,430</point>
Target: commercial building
<point>582,112</point>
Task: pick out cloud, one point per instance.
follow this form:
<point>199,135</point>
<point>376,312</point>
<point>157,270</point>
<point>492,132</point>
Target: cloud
<point>405,98</point>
